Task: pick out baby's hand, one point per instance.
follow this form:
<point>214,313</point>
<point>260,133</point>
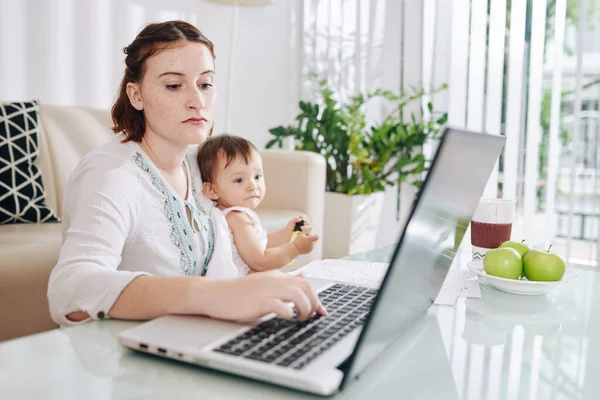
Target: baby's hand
<point>305,242</point>
<point>292,224</point>
<point>306,228</point>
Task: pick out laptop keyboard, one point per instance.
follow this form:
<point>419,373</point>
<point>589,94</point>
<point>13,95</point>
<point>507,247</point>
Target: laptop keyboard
<point>293,344</point>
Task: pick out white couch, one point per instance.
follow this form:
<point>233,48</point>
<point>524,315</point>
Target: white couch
<point>28,252</point>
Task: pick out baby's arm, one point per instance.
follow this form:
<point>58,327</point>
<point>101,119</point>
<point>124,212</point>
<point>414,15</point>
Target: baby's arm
<point>249,248</point>
<point>278,238</point>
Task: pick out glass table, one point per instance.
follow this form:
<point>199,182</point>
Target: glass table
<point>501,346</point>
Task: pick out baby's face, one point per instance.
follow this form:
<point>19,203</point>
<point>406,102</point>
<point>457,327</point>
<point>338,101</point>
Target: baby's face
<point>240,184</point>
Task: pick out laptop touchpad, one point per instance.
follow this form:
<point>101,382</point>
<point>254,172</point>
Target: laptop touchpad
<point>182,331</point>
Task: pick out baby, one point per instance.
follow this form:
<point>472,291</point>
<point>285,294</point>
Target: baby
<point>232,175</point>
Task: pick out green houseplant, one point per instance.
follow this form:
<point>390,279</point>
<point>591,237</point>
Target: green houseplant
<point>362,157</point>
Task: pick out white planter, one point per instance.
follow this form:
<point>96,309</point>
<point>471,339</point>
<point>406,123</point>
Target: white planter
<point>351,223</point>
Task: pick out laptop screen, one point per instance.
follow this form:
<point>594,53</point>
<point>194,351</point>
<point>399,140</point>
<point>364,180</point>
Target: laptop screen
<point>458,175</point>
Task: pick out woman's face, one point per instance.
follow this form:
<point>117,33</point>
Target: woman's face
<point>177,94</point>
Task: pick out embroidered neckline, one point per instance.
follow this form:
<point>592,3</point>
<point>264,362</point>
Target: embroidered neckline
<point>180,237</point>
<point>207,226</point>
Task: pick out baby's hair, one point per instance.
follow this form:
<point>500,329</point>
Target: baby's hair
<point>225,145</point>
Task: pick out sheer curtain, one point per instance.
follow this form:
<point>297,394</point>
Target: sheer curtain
<point>529,70</point>
<point>343,43</point>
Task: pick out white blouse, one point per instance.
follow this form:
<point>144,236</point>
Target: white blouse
<point>121,219</point>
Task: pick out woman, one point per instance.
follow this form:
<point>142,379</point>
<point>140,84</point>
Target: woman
<point>134,220</point>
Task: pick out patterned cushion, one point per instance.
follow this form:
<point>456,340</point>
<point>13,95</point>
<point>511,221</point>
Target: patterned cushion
<point>22,198</point>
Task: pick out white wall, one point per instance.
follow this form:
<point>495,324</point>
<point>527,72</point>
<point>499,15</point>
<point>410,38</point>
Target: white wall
<point>70,52</point>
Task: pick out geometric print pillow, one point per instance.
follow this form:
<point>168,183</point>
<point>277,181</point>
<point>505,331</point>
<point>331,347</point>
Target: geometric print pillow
<point>22,197</point>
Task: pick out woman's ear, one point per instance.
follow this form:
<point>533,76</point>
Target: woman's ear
<point>135,97</point>
<point>209,191</point>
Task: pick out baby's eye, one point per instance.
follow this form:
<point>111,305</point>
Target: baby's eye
<point>173,87</point>
<point>238,180</point>
<point>257,177</point>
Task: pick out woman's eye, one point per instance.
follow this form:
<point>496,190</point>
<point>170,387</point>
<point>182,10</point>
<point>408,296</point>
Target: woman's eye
<point>205,86</point>
<point>238,180</point>
<point>173,87</point>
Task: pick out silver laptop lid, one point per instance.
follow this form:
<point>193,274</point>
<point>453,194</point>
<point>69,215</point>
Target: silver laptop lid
<point>450,193</point>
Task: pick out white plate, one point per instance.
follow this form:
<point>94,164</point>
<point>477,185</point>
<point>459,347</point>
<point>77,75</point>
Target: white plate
<point>519,286</point>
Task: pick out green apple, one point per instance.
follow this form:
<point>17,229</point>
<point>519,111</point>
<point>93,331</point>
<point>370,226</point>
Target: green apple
<point>540,265</point>
<point>503,262</point>
<point>521,247</point>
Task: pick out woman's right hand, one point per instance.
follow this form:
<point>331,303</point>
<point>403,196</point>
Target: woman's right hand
<point>261,293</point>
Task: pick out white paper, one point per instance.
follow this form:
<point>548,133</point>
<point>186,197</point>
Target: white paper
<point>357,272</point>
<point>471,289</point>
<point>458,282</point>
<point>453,284</point>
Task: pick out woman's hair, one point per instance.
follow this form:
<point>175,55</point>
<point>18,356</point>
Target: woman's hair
<point>228,146</point>
<point>150,41</point>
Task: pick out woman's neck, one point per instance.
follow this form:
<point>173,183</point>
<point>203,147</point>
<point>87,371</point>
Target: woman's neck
<point>167,157</point>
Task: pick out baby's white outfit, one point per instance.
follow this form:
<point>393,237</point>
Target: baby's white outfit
<point>261,232</point>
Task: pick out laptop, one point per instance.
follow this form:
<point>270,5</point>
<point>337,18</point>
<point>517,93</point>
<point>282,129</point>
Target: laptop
<point>323,354</point>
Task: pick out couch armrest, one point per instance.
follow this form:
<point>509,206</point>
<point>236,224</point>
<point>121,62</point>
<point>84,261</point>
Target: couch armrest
<point>296,180</point>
